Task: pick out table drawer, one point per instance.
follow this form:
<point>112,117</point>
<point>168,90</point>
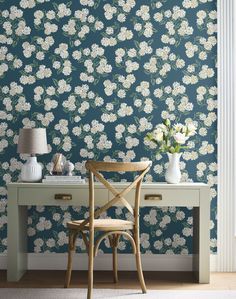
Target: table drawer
<point>67,196</point>
<point>163,197</point>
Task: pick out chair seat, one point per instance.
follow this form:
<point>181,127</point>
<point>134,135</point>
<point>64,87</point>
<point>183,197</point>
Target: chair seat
<point>103,224</point>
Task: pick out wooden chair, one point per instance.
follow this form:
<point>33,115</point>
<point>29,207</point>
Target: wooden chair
<point>111,228</point>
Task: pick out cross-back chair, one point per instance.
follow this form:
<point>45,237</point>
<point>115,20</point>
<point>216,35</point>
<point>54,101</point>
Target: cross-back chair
<point>111,228</point>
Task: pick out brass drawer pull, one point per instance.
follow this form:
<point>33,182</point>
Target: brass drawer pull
<point>62,196</point>
<point>153,197</point>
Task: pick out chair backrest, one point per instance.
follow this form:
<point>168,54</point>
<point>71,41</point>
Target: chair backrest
<point>95,167</point>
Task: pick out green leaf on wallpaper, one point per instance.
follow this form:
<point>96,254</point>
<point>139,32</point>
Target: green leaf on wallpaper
<point>119,65</point>
<point>153,81</point>
<point>150,117</point>
<point>55,81</point>
<point>55,5</point>
<point>136,43</point>
<point>96,4</point>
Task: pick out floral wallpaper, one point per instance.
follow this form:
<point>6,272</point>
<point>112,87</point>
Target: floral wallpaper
<point>99,75</point>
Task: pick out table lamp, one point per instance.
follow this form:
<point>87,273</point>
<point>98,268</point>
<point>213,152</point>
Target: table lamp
<point>32,141</point>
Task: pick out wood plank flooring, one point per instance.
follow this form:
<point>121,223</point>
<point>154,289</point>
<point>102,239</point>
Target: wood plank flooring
<point>127,280</point>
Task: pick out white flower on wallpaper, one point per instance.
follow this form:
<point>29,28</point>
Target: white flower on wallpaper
<point>99,75</point>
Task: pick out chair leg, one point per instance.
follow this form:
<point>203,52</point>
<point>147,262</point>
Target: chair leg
<point>139,264</point>
<point>90,265</point>
<point>113,239</point>
<point>114,261</point>
<point>71,248</point>
<point>114,258</point>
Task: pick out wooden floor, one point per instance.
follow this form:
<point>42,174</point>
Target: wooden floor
<point>103,279</point>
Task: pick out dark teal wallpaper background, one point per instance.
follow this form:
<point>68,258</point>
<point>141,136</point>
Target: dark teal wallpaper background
<point>99,75</point>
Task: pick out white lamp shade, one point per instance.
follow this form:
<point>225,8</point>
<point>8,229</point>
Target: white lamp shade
<point>32,141</point>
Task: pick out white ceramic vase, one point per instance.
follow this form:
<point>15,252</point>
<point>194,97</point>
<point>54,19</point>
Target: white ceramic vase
<point>31,171</point>
<point>173,173</point>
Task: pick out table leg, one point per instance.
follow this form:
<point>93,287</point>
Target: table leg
<point>16,237</point>
<point>201,238</point>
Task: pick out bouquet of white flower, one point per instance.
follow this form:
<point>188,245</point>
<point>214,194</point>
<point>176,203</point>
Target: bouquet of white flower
<point>171,139</point>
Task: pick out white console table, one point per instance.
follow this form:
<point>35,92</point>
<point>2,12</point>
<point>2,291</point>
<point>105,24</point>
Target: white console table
<point>21,195</point>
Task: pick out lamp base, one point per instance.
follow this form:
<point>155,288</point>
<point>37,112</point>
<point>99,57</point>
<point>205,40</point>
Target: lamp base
<point>31,171</point>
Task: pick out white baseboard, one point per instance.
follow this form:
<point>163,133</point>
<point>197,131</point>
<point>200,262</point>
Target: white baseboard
<point>213,263</point>
<point>126,262</point>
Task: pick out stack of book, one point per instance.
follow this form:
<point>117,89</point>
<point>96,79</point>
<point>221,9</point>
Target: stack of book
<point>62,179</point>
